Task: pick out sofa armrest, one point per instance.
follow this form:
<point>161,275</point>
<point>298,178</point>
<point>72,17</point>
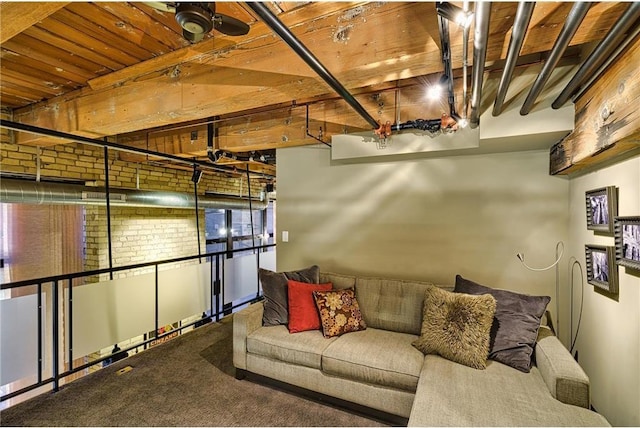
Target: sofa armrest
<point>565,379</point>
<point>245,322</point>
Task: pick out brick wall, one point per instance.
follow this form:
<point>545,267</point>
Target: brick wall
<point>80,162</point>
<point>5,135</point>
<point>138,234</point>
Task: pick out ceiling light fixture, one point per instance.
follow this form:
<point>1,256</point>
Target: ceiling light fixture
<point>195,21</point>
<point>435,91</point>
<point>455,14</point>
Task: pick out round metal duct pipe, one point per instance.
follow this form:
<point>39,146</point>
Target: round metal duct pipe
<point>480,37</point>
<point>574,19</point>
<point>31,192</point>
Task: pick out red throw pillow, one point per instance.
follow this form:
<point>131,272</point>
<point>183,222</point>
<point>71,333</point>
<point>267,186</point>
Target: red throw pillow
<point>303,313</point>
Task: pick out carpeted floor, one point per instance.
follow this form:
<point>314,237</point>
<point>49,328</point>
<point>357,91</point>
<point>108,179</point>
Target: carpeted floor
<point>188,381</point>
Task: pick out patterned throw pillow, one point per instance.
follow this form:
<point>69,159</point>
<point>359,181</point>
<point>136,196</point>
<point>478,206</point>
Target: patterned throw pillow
<point>456,326</point>
<point>339,312</point>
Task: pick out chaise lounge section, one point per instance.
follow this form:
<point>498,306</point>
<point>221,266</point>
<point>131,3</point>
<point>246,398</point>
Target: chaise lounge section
<point>379,368</point>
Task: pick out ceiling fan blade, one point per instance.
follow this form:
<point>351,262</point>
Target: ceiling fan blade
<point>229,25</point>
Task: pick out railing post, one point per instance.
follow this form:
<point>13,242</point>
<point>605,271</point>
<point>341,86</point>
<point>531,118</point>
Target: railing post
<point>56,327</point>
<point>195,178</point>
<point>39,332</point>
<point>70,326</point>
<point>217,286</point>
<point>108,200</point>
<point>157,311</point>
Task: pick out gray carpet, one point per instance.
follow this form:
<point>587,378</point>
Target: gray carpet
<point>188,381</point>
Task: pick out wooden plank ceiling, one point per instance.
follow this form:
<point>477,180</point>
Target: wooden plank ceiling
<point>124,70</point>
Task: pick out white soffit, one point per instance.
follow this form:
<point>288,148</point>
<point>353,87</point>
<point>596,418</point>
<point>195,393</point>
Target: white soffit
<point>366,144</point>
<point>542,119</point>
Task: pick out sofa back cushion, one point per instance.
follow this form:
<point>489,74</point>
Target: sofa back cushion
<point>392,304</point>
<point>339,281</point>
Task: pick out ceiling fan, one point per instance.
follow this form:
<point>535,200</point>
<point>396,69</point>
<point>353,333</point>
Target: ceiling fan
<point>199,18</point>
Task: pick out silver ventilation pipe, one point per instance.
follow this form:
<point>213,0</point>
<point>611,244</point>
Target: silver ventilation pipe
<point>445,42</point>
<point>619,50</point>
<point>602,52</point>
<point>576,15</point>
<point>520,26</point>
<point>480,37</point>
<point>14,191</point>
<point>465,64</point>
<point>305,54</point>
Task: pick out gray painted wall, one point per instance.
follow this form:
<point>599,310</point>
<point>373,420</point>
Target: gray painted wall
<point>426,219</point>
<point>608,343</point>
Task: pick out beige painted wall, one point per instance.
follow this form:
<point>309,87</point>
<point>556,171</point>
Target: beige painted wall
<point>424,218</point>
<point>608,342</point>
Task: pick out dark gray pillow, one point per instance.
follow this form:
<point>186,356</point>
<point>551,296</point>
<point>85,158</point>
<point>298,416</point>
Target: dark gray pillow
<point>515,323</point>
<point>274,288</point>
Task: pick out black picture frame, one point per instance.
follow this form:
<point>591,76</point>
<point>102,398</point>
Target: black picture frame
<point>602,271</point>
<point>602,208</point>
<point>627,239</point>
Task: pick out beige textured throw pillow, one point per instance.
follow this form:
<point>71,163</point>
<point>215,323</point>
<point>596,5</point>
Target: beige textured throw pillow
<point>457,326</point>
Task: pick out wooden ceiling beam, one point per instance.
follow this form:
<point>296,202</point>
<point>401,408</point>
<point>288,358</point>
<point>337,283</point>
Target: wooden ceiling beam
<point>264,72</point>
<point>216,46</point>
<point>286,127</point>
<point>259,70</point>
<point>607,118</point>
<point>16,17</point>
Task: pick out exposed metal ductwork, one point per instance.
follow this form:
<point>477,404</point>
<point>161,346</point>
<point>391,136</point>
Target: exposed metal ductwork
<point>481,34</point>
<point>287,36</point>
<point>465,64</point>
<point>576,15</point>
<point>445,42</point>
<point>619,50</point>
<point>32,192</point>
<point>520,25</point>
<point>602,52</point>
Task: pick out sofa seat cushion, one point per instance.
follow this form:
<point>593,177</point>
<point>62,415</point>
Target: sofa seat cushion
<point>451,394</point>
<point>374,356</point>
<point>304,348</point>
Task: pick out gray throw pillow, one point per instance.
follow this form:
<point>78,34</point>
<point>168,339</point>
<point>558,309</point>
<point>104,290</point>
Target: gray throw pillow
<point>515,325</point>
<point>274,288</point>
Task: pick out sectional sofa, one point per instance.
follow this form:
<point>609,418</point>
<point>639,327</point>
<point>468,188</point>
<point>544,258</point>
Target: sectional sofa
<point>380,368</point>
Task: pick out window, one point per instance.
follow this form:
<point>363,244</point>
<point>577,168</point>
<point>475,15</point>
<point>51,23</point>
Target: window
<point>232,229</point>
